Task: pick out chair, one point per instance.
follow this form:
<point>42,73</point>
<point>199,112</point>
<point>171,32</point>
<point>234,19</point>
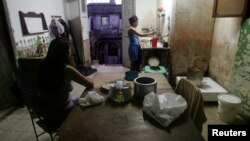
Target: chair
<point>194,100</point>
<point>27,82</point>
<point>34,105</point>
<point>28,68</point>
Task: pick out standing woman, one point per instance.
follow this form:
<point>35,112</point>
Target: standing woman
<point>134,50</point>
<point>54,80</point>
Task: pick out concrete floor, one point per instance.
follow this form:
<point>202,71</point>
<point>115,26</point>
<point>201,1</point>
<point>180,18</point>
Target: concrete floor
<point>15,123</point>
<point>211,110</point>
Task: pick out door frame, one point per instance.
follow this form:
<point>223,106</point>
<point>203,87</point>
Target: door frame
<point>128,9</point>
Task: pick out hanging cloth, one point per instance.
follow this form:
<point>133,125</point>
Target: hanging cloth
<point>56,29</point>
<point>66,28</point>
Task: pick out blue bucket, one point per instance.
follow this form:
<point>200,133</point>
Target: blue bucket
<point>131,75</point>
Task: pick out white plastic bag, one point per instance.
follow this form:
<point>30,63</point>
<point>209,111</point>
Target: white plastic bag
<point>164,108</point>
<point>92,98</point>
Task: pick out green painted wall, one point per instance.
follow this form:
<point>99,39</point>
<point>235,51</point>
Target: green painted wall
<point>241,70</point>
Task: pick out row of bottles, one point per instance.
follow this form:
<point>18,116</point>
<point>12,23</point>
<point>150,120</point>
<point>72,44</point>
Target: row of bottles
<point>35,46</point>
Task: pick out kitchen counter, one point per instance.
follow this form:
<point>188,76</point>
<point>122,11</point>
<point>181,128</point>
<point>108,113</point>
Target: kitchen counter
<point>111,121</point>
<point>146,44</point>
<point>162,53</point>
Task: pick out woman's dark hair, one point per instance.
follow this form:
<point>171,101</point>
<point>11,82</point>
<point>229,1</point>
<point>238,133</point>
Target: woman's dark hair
<point>58,52</point>
<point>133,19</point>
<point>51,74</point>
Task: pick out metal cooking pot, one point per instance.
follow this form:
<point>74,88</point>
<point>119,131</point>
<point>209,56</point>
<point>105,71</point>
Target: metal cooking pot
<point>143,86</point>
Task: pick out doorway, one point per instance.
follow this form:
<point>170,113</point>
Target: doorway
<point>105,31</point>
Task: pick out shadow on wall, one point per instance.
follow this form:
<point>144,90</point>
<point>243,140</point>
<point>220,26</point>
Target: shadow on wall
<point>7,63</point>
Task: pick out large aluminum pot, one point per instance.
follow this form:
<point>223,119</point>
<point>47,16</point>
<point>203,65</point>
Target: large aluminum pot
<point>143,86</point>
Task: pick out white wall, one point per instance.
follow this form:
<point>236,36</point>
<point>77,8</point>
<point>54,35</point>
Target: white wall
<point>73,9</point>
<point>47,7</point>
<point>165,21</point>
<point>84,19</point>
<point>146,13</point>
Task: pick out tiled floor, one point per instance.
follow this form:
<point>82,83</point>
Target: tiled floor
<point>17,126</point>
<point>15,123</point>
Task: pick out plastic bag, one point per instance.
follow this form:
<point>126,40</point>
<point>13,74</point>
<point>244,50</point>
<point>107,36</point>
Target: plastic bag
<point>164,108</point>
<point>92,98</point>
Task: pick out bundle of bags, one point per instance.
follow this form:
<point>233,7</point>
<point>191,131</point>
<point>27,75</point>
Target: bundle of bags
<point>164,108</point>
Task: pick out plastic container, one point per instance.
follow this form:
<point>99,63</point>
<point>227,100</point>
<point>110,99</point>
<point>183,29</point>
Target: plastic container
<point>228,107</point>
<point>144,86</point>
<point>131,75</point>
<point>126,92</point>
<point>154,42</point>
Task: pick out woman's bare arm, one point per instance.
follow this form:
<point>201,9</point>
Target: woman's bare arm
<point>132,30</point>
<point>73,74</point>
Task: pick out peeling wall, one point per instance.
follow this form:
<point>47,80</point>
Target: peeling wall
<point>226,33</point>
<point>191,34</point>
<point>241,70</point>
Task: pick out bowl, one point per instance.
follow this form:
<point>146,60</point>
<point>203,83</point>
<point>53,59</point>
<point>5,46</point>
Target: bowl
<point>131,75</point>
<point>153,62</point>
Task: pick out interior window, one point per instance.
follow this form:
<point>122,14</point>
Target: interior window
<point>105,21</point>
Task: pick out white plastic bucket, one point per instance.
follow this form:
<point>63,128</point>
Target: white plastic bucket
<point>228,107</point>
